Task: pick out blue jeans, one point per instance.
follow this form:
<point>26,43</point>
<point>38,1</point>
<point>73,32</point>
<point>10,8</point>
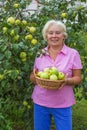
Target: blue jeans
<point>43,115</point>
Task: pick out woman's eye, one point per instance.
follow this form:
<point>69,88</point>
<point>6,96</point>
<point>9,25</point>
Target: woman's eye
<point>54,32</point>
<point>50,32</point>
<point>58,32</point>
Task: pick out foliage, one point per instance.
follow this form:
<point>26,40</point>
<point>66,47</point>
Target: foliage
<point>79,115</point>
<point>20,40</point>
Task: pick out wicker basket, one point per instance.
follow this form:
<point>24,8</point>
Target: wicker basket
<point>47,83</point>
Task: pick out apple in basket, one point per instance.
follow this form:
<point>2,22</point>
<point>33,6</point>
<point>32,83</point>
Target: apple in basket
<point>47,70</point>
<point>43,74</point>
<point>53,77</point>
<point>39,73</point>
<point>51,73</point>
<point>53,70</point>
<point>61,75</point>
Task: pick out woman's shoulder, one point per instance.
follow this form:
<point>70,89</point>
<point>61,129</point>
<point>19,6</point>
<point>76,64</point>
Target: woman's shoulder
<point>72,50</point>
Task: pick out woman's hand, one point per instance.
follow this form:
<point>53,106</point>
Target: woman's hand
<point>32,76</point>
<point>35,71</point>
<point>74,80</point>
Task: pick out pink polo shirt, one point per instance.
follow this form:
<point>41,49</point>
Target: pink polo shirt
<point>67,60</point>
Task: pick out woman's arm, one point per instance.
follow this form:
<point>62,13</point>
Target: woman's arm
<point>76,79</point>
<point>32,78</point>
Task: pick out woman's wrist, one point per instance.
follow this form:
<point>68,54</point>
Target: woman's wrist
<point>66,81</point>
<point>69,81</point>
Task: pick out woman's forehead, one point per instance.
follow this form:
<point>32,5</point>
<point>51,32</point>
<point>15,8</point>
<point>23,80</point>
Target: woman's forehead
<point>55,27</point>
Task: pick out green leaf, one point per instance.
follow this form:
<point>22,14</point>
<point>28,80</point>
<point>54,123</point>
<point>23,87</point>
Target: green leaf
<point>1,56</point>
<point>8,54</point>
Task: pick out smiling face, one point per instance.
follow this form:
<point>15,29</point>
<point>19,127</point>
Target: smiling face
<point>55,36</point>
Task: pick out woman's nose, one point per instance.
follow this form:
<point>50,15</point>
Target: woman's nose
<point>54,34</point>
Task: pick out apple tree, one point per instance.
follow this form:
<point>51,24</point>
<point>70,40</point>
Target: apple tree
<point>20,40</point>
<point>18,46</point>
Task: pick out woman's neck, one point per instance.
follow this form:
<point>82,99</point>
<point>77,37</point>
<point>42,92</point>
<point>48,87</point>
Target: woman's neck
<point>55,49</point>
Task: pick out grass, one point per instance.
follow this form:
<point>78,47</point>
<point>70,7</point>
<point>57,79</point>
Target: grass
<point>80,115</point>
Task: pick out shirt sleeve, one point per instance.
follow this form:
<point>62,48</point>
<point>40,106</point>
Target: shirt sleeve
<point>77,64</point>
<point>36,63</point>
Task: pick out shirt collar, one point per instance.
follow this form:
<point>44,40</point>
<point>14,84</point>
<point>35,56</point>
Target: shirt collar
<point>63,50</point>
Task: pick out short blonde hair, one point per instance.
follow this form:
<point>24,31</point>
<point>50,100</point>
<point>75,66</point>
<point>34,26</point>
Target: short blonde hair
<point>49,24</point>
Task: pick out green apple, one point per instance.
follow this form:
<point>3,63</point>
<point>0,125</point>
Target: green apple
<point>46,70</point>
<point>44,75</point>
<point>24,22</point>
<point>64,15</point>
<point>33,41</point>
<point>61,75</point>
<point>1,77</point>
<point>32,29</point>
<point>53,77</point>
<point>17,21</point>
<point>24,59</point>
<point>23,55</point>
<point>5,29</point>
<point>39,73</point>
<point>28,37</point>
<point>25,103</point>
<point>12,33</point>
<point>54,70</point>
<point>16,5</point>
<point>16,37</point>
<point>11,20</point>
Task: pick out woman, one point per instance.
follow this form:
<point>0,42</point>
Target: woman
<point>56,103</point>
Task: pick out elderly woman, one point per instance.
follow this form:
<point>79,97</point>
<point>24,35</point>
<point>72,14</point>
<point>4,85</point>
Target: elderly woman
<point>56,103</point>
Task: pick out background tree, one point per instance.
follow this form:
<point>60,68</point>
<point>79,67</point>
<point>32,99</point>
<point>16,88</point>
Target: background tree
<point>20,40</point>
